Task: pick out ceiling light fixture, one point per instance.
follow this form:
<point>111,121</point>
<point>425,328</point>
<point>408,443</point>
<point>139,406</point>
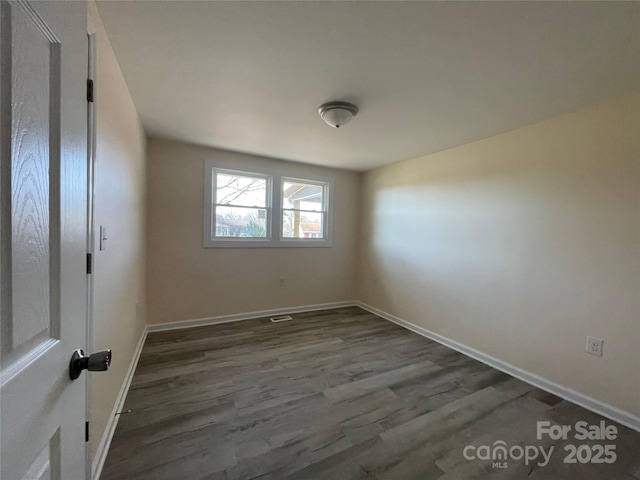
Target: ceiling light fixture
<point>336,114</point>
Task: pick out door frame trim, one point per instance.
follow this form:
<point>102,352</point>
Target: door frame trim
<point>91,159</point>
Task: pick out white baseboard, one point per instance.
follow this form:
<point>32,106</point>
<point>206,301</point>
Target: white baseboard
<point>105,441</point>
<point>601,408</point>
<point>236,317</point>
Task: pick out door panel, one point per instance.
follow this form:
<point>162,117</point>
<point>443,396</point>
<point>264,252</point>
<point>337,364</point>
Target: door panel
<point>34,67</point>
<point>43,48</point>
<point>47,464</point>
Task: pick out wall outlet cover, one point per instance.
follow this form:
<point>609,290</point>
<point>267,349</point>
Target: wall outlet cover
<point>594,346</point>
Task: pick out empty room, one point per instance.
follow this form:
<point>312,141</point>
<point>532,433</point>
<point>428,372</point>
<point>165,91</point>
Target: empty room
<point>319,240</point>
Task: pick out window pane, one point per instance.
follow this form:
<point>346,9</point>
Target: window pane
<point>302,224</point>
<point>302,196</point>
<point>241,222</point>
<point>241,190</point>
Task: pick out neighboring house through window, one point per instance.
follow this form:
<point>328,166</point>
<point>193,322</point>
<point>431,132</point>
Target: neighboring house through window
<point>303,208</point>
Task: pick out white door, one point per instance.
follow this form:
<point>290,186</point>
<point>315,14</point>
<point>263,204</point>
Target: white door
<point>43,188</point>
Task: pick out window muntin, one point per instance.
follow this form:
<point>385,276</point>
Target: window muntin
<point>304,208</point>
<point>240,204</point>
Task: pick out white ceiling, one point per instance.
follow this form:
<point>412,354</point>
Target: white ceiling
<point>427,76</point>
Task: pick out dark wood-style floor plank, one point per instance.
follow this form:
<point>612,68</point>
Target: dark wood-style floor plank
<point>333,395</point>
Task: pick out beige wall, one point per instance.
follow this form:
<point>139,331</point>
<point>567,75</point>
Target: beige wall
<point>520,246</point>
<point>187,281</point>
<point>119,284</point>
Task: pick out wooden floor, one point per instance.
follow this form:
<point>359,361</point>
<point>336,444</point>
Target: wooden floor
<point>336,394</point>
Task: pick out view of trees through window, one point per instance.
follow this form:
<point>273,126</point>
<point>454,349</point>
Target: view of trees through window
<point>242,206</point>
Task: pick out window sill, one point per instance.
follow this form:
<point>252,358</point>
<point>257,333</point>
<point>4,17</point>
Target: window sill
<point>259,243</point>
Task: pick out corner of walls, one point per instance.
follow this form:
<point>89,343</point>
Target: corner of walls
<point>361,267</point>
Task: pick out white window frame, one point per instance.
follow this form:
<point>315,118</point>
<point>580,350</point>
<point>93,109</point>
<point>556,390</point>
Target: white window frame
<point>275,183</point>
<point>269,188</point>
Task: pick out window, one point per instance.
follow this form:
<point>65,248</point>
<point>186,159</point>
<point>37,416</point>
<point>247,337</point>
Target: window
<point>303,208</point>
<point>265,208</point>
<point>241,204</point>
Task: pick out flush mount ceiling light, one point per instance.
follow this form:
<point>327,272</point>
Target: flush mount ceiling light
<point>336,114</point>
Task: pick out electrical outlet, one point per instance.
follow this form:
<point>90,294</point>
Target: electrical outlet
<point>594,346</point>
<point>282,281</point>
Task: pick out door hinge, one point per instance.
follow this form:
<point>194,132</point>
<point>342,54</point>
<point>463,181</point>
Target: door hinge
<point>89,90</point>
<point>86,431</point>
<point>89,263</point>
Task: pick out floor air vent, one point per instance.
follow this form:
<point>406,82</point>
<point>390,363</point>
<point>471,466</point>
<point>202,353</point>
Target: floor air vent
<point>281,318</point>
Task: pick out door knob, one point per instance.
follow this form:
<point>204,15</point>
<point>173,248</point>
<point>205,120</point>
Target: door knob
<point>96,362</point>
